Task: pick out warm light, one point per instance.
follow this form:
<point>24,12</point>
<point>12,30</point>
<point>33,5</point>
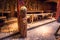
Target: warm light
<point>44,31</point>
<point>42,11</point>
<point>10,28</point>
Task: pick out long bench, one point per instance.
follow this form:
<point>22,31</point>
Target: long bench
<point>35,16</point>
<point>3,17</point>
<point>2,20</point>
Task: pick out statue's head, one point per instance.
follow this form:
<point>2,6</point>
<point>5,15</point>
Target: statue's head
<point>23,8</point>
<point>23,11</point>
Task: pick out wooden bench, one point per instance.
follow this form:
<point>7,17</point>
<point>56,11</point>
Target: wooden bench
<point>3,17</point>
<point>35,16</point>
<point>2,20</point>
<point>32,17</point>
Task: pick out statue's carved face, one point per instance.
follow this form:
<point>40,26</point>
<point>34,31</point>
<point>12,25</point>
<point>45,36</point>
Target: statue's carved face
<point>23,11</point>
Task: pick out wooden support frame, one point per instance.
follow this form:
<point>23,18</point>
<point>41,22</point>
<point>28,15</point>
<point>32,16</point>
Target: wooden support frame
<point>57,31</point>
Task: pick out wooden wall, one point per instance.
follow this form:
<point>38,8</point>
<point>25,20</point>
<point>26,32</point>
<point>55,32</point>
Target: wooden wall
<point>32,5</point>
<point>8,5</point>
<point>36,5</point>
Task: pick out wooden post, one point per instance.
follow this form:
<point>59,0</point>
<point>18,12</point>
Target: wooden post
<point>58,10</point>
<point>3,7</point>
<point>32,18</point>
<point>22,22</point>
<point>12,10</point>
<point>12,7</point>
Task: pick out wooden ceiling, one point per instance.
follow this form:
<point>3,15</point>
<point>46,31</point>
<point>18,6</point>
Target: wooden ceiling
<point>52,0</point>
<point>42,0</point>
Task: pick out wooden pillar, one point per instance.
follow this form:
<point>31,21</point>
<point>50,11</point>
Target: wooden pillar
<point>12,6</point>
<point>3,7</point>
<point>22,22</point>
<point>12,10</point>
<point>58,10</point>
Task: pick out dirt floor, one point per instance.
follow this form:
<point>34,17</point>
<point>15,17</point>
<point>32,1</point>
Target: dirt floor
<point>45,32</point>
